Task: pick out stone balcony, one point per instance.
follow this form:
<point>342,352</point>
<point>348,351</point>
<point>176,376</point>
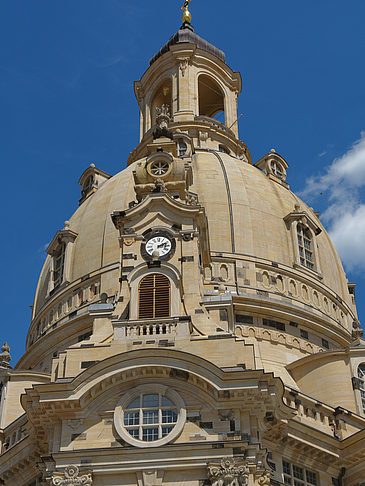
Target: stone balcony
<point>152,329</point>
<point>13,434</point>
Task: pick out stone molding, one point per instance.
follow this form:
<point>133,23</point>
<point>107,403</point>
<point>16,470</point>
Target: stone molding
<point>72,477</point>
<point>228,472</point>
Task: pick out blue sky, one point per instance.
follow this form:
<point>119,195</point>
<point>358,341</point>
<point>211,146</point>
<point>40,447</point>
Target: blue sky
<point>66,100</point>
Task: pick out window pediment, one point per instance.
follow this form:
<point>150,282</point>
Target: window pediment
<point>274,166</point>
<point>90,181</point>
<point>60,251</point>
<point>303,218</point>
<point>62,236</point>
<point>304,231</point>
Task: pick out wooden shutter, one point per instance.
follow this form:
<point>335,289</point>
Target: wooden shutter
<point>154,296</point>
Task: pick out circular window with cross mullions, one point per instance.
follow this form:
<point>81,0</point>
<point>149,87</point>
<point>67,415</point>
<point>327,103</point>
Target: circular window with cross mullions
<point>150,416</point>
<point>159,168</point>
<point>276,169</point>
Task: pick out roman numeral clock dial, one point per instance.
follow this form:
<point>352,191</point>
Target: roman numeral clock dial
<point>161,242</point>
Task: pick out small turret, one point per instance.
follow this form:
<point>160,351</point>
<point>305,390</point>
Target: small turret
<point>5,357</point>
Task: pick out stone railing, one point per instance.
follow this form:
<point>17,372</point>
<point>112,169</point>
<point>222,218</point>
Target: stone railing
<point>305,291</point>
<point>337,422</point>
<point>63,310</point>
<point>215,123</point>
<point>13,434</point>
<point>147,329</point>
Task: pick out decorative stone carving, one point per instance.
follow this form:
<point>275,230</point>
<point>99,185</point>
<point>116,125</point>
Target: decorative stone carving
<point>191,198</point>
<point>228,473</point>
<point>152,477</point>
<point>71,477</point>
<point>357,332</point>
<point>128,241</point>
<point>203,136</point>
<point>183,65</point>
<point>159,186</point>
<point>5,357</point>
<point>264,479</point>
<point>128,235</point>
<point>162,123</point>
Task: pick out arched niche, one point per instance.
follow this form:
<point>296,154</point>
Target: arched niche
<point>162,96</point>
<point>211,98</point>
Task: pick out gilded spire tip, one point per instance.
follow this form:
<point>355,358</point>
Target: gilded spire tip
<point>186,16</point>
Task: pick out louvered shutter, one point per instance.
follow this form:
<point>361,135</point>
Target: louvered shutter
<point>154,296</point>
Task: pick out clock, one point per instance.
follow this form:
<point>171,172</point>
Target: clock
<point>158,241</point>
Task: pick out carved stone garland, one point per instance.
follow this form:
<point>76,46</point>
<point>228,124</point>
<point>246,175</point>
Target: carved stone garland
<point>72,477</point>
<point>228,473</point>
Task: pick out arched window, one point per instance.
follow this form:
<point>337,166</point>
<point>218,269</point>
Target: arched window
<point>154,296</point>
<point>361,376</point>
<point>161,97</point>
<point>58,264</point>
<point>211,98</point>
<point>87,186</point>
<point>277,169</point>
<point>305,246</point>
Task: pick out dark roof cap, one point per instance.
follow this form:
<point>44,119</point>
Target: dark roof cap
<point>186,35</point>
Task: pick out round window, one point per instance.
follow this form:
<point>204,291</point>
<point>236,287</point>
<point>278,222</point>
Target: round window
<point>150,416</point>
<point>277,169</point>
<point>159,168</point>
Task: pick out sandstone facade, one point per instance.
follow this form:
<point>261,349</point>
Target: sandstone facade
<point>192,322</point>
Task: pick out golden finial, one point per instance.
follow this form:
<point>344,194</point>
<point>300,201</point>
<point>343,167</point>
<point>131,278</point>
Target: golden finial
<point>186,16</point>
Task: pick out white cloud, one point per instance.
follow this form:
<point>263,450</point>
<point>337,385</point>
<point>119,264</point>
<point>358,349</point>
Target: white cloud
<point>348,234</point>
<point>342,182</point>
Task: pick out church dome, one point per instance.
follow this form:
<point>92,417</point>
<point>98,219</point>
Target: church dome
<point>261,250</point>
<point>193,311</point>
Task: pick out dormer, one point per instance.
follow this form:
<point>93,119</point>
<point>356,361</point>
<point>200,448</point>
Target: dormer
<point>90,181</point>
<point>274,166</point>
<point>60,250</point>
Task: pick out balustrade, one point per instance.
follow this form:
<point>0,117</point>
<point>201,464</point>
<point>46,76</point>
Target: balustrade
<point>150,328</point>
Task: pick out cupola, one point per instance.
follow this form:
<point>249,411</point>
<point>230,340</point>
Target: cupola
<point>189,76</point>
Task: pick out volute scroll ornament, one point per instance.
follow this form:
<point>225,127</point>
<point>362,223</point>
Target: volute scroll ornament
<point>228,473</point>
<point>72,477</point>
<point>191,198</point>
<point>264,479</point>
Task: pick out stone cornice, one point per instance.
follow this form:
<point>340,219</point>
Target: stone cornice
<point>45,402</point>
<point>304,218</point>
<point>62,235</point>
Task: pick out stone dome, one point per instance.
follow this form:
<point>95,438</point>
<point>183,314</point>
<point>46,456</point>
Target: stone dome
<point>266,271</point>
<point>193,311</point>
<point>257,204</point>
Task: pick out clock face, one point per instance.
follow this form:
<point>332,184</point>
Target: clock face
<point>160,243</point>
